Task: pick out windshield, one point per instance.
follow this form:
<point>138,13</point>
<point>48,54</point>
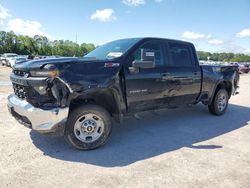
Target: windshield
<point>113,49</point>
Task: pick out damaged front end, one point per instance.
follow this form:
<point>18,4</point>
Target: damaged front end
<point>40,98</point>
<point>52,92</point>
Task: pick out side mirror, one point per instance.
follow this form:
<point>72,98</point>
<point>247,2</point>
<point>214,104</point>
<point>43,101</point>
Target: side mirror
<point>147,60</point>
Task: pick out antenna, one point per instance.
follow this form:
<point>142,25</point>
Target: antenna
<point>76,43</point>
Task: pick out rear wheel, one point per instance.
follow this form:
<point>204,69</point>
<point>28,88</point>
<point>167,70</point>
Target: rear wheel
<point>88,127</point>
<point>220,102</point>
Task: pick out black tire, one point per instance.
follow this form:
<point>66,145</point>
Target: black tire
<point>214,106</point>
<point>79,112</point>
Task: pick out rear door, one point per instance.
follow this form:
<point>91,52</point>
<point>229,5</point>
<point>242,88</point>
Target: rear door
<point>183,74</point>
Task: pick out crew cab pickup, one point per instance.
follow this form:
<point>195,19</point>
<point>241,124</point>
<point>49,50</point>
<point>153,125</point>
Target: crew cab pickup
<point>80,97</point>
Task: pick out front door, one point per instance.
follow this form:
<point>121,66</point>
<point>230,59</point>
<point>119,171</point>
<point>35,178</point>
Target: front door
<point>146,89</point>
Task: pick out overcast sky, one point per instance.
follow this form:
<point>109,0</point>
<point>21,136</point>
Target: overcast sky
<point>213,25</point>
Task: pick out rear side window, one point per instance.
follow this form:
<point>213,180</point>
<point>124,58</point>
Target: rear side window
<point>180,54</point>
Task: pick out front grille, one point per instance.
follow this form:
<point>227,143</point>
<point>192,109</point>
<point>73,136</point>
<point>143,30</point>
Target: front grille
<point>19,73</point>
<point>20,91</point>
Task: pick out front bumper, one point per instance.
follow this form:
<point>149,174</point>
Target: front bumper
<point>43,121</point>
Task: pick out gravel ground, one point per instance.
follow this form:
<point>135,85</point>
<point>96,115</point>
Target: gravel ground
<point>185,147</point>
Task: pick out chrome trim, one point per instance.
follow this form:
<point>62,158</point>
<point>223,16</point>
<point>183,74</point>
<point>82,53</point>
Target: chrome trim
<point>44,121</point>
<point>69,88</point>
<point>23,80</point>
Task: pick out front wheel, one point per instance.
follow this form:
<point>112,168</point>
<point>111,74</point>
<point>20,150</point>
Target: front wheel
<point>220,102</point>
<point>88,127</point>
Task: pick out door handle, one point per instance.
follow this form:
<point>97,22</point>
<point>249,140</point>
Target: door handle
<point>196,72</point>
<point>165,76</point>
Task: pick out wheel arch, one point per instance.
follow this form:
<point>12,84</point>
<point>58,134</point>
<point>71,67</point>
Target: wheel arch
<point>227,85</point>
<point>106,98</point>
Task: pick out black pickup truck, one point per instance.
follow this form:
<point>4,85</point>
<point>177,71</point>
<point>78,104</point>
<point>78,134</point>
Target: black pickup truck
<point>80,97</point>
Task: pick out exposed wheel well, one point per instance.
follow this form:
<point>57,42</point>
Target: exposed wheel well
<point>225,85</point>
<point>105,100</point>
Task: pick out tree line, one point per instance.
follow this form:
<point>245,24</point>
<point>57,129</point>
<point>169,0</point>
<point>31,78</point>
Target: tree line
<point>41,45</point>
<point>227,57</point>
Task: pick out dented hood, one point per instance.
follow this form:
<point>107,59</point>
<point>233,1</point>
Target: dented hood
<point>78,73</point>
<point>77,65</point>
<point>38,63</point>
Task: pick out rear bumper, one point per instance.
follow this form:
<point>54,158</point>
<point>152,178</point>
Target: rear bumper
<point>43,121</point>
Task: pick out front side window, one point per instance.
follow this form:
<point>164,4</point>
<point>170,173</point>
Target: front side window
<point>155,47</point>
<point>180,54</point>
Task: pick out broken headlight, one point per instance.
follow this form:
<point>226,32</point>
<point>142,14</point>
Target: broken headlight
<point>41,89</point>
<point>48,70</point>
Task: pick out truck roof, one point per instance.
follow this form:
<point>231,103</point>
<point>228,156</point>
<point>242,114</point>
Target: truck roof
<point>159,38</point>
